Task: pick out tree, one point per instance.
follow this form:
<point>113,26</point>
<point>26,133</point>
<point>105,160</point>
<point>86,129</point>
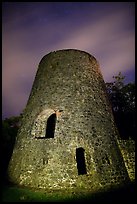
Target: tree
<point>10,128</point>
<point>122,98</point>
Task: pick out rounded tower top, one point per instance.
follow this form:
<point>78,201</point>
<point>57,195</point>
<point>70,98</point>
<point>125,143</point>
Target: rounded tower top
<point>68,51</point>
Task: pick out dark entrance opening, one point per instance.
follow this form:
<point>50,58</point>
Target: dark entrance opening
<point>50,129</point>
<point>80,158</point>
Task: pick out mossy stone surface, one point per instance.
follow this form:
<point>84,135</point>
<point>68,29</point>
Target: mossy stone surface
<point>68,83</point>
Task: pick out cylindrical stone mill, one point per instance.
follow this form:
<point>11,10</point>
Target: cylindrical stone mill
<point>67,138</point>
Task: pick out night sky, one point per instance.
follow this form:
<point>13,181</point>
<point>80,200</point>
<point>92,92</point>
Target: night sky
<point>31,30</point>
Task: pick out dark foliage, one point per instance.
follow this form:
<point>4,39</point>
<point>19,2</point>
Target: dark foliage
<point>122,98</point>
<point>10,128</point>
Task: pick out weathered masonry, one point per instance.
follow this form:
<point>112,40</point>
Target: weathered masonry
<point>67,139</point>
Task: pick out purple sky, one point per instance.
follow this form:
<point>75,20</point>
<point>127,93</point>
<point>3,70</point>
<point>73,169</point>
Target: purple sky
<point>31,30</point>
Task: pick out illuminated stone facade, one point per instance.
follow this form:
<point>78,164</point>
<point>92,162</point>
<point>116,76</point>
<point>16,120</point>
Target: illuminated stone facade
<point>67,138</point>
<point>127,148</point>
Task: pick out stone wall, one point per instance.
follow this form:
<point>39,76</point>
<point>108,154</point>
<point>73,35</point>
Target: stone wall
<point>127,148</point>
<point>69,84</point>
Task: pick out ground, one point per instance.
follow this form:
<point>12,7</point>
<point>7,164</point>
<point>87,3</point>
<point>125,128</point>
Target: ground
<point>12,193</point>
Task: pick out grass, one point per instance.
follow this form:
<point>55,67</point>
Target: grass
<point>20,194</point>
<point>16,194</point>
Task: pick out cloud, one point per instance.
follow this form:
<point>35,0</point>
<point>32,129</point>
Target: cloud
<point>113,47</point>
<point>108,34</point>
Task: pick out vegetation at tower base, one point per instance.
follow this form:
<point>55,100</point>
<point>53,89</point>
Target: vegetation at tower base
<point>10,128</point>
<point>68,93</point>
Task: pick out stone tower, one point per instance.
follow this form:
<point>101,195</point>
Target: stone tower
<point>67,139</point>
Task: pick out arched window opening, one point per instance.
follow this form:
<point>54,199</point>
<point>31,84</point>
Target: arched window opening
<point>50,128</point>
<point>80,158</point>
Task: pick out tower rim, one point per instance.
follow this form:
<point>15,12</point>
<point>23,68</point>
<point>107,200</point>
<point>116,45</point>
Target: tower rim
<point>69,50</point>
